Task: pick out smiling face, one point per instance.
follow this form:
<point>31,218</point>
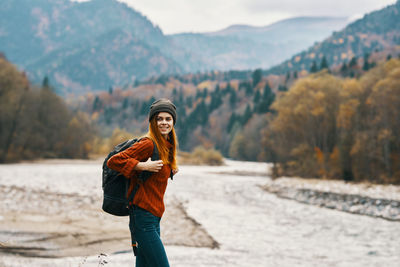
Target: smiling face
<point>165,122</point>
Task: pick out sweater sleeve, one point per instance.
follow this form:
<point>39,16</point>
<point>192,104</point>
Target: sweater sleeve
<point>125,161</point>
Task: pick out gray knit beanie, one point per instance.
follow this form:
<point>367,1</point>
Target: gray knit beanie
<point>162,105</point>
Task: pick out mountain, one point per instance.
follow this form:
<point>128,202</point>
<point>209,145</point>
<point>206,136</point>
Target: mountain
<point>92,45</point>
<point>303,29</point>
<point>375,32</point>
<point>247,47</point>
<point>99,44</point>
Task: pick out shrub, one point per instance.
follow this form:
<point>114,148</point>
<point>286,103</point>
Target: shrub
<point>201,156</point>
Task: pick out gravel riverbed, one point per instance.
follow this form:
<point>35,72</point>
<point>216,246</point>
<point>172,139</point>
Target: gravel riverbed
<point>227,205</point>
<point>381,201</point>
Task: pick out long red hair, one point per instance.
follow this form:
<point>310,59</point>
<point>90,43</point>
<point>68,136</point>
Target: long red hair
<point>168,156</point>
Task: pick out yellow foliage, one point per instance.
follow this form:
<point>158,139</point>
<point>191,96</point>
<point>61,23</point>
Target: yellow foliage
<point>201,156</point>
<point>335,155</point>
<point>384,134</point>
<point>319,155</point>
<point>347,111</point>
<point>205,84</point>
<point>391,65</point>
<point>351,88</point>
<point>73,123</point>
<point>301,150</point>
<point>118,136</point>
<point>95,116</point>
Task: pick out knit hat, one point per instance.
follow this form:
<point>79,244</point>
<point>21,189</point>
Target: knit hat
<point>162,105</point>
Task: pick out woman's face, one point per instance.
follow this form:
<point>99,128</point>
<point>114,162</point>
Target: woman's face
<point>165,122</point>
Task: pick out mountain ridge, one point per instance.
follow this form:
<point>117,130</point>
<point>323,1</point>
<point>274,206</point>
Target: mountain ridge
<point>375,31</point>
<point>239,27</point>
<point>43,37</point>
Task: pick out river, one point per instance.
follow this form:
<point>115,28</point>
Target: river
<point>252,227</point>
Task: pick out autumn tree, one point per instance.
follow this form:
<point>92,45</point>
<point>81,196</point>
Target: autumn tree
<point>305,125</point>
<point>349,129</point>
<point>36,123</point>
<point>13,88</point>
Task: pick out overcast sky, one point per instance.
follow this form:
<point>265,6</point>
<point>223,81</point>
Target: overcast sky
<point>175,16</point>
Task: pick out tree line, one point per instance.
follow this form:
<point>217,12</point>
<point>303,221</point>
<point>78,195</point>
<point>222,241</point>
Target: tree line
<point>326,126</point>
<point>320,125</point>
<point>36,123</point>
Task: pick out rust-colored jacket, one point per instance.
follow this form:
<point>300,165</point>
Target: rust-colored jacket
<point>150,195</point>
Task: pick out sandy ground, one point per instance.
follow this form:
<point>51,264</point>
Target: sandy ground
<point>48,224</point>
<point>43,212</point>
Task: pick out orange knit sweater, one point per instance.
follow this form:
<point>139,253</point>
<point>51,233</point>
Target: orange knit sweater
<point>150,195</point>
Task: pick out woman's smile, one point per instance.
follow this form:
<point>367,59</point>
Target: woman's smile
<point>165,123</point>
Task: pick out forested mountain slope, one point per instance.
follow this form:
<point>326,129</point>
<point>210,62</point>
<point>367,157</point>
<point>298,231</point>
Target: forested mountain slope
<point>376,31</point>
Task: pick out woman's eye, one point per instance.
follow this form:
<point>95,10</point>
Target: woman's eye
<point>161,119</point>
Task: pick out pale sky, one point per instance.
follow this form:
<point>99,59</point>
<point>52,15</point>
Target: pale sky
<point>176,16</point>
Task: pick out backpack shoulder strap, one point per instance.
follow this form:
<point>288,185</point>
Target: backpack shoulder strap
<point>155,155</point>
<point>144,175</point>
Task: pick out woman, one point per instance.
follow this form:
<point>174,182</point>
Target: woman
<point>147,206</point>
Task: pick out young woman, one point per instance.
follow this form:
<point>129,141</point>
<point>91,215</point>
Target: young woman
<point>147,206</point>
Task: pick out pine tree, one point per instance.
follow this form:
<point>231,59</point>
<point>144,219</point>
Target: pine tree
<point>366,65</point>
<point>257,76</point>
<point>343,69</point>
<point>247,115</point>
<point>324,63</point>
<point>314,68</point>
<point>353,62</point>
<point>97,104</point>
<point>282,88</point>
<point>287,77</point>
<point>233,98</point>
<point>45,83</point>
<point>257,97</point>
<point>267,99</point>
<point>231,122</point>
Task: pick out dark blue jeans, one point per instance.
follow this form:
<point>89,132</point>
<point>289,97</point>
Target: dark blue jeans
<point>145,227</point>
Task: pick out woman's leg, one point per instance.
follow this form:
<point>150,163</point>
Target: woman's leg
<point>150,251</point>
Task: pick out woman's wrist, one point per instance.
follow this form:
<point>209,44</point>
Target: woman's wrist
<point>141,166</point>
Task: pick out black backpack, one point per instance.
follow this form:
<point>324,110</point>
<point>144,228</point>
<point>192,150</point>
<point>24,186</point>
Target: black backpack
<point>115,185</point>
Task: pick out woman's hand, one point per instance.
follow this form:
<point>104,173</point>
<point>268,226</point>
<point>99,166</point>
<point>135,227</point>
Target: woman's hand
<point>149,165</point>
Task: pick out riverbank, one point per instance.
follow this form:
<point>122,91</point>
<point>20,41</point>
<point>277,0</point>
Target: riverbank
<point>215,216</point>
<point>52,209</point>
<point>381,201</point>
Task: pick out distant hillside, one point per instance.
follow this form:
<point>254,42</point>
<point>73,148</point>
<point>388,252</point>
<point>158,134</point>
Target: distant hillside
<point>245,47</point>
<point>92,45</point>
<point>99,44</point>
<point>303,29</point>
<point>377,31</point>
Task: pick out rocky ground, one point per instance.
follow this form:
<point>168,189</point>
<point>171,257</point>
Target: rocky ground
<point>232,215</point>
<point>38,223</point>
<point>359,198</point>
